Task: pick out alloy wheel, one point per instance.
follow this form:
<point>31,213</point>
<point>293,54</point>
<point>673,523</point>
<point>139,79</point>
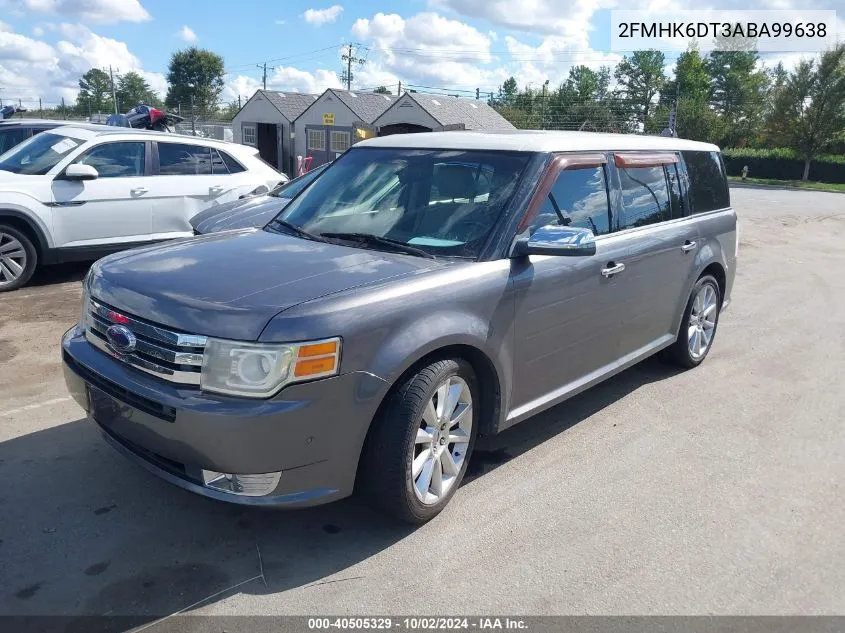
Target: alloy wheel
<point>702,321</point>
<point>442,440</point>
<point>12,259</point>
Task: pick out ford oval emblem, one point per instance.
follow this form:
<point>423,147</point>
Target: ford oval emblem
<point>121,339</point>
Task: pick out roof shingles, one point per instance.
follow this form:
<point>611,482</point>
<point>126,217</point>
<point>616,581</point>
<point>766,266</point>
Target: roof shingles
<point>367,106</point>
<point>290,104</point>
<point>474,114</point>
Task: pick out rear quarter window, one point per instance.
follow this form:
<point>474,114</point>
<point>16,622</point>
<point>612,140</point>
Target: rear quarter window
<point>232,165</point>
<point>708,184</point>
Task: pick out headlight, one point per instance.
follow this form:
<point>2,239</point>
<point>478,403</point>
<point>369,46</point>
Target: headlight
<point>259,370</point>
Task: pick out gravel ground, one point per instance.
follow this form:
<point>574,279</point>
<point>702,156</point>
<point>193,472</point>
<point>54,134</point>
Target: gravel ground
<point>714,491</point>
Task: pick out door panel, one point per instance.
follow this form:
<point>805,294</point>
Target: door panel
<point>567,319</point>
<point>661,246</point>
<point>658,273</point>
<point>190,179</point>
<point>112,209</point>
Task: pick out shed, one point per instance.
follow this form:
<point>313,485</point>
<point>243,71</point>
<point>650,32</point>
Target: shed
<point>266,122</point>
<point>336,120</point>
<point>418,112</point>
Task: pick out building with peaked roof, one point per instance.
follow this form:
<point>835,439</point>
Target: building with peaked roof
<point>418,112</point>
<point>336,120</point>
<point>266,122</point>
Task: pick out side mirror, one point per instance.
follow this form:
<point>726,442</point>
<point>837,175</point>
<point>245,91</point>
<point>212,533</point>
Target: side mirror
<point>78,171</point>
<point>553,239</point>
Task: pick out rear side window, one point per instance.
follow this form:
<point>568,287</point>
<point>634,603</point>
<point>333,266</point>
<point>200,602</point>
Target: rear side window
<point>708,185</point>
<point>232,165</point>
<point>645,196</point>
<point>181,159</point>
<point>10,137</point>
<point>578,198</point>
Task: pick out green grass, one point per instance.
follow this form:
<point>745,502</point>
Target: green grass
<point>797,184</point>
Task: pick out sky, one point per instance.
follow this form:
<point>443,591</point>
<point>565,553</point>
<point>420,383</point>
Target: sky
<point>459,45</point>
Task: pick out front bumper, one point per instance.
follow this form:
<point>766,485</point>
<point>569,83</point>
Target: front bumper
<point>311,433</point>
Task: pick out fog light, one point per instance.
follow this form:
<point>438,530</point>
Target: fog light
<point>246,485</point>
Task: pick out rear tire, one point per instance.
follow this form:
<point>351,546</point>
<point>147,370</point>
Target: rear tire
<point>698,326</point>
<point>419,446</point>
<point>18,258</point>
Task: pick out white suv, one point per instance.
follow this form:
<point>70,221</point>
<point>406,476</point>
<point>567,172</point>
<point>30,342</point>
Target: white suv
<point>78,192</point>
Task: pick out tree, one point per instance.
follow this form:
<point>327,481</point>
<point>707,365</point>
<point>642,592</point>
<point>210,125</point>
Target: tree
<point>382,90</point>
<point>508,91</point>
<point>689,93</point>
<point>195,76</point>
<point>738,88</point>
<point>95,94</point>
<point>133,90</point>
<point>809,108</point>
<point>640,78</point>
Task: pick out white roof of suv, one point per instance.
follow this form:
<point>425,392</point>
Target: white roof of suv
<point>536,141</point>
<point>88,132</point>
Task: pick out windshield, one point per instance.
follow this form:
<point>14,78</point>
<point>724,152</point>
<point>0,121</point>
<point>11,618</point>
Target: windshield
<point>290,189</point>
<point>39,154</point>
<point>443,202</point>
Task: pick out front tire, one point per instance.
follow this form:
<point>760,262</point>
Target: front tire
<point>698,326</point>
<point>18,258</point>
<point>417,452</point>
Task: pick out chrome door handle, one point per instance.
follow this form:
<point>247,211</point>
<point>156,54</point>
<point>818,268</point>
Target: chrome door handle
<point>688,246</point>
<point>140,190</point>
<point>612,270</point>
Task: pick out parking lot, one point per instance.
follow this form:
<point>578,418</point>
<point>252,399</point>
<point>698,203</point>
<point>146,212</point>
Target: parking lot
<point>714,491</point>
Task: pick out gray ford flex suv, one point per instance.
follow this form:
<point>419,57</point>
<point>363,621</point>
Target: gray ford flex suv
<point>425,290</point>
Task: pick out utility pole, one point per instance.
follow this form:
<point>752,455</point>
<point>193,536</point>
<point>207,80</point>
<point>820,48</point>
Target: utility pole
<point>399,92</point>
<point>113,91</point>
<point>349,58</point>
<point>64,112</point>
<point>239,102</point>
<point>477,94</point>
<point>264,75</point>
<point>39,105</point>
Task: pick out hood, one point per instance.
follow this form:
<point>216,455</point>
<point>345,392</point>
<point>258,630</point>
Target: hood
<point>254,212</point>
<point>230,285</point>
<point>11,180</point>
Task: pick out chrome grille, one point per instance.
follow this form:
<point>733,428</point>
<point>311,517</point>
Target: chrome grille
<point>173,356</point>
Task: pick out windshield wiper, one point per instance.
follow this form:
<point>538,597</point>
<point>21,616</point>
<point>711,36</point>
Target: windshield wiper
<point>377,240</point>
<point>295,230</point>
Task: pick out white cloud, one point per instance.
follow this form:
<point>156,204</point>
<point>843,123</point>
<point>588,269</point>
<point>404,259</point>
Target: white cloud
<point>31,69</point>
<point>284,78</point>
<point>157,82</point>
<point>425,48</point>
<point>4,27</point>
<point>296,80</point>
<point>281,22</point>
<point>322,16</point>
<point>240,86</point>
<point>15,47</point>
<point>38,31</point>
<point>187,34</point>
<point>104,11</point>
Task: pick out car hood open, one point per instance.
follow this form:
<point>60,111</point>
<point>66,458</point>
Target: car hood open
<point>231,284</point>
<point>248,213</point>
